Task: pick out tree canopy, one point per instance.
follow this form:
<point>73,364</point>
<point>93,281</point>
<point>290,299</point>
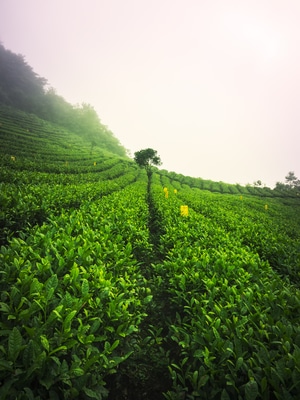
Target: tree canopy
<point>292,180</point>
<point>20,86</point>
<point>147,158</point>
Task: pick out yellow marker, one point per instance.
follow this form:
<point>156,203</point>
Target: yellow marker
<point>184,211</point>
<point>175,191</point>
<point>13,158</point>
<point>266,206</point>
<point>165,189</point>
<point>166,194</point>
<point>95,163</point>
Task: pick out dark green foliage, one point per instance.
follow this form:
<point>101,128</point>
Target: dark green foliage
<point>20,86</point>
<point>147,158</point>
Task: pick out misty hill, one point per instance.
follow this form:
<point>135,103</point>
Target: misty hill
<point>22,89</point>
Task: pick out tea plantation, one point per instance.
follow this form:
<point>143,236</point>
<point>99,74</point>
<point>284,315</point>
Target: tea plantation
<point>109,292</point>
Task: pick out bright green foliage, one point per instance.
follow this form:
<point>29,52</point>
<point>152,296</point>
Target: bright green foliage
<point>106,291</point>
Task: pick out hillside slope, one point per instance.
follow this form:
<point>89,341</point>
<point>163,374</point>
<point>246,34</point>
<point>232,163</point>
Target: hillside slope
<point>108,291</point>
<point>23,89</point>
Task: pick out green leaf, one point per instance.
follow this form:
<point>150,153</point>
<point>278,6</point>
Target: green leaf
<point>29,353</point>
<point>217,323</point>
<point>195,378</point>
<point>45,342</point>
<point>14,344</point>
<point>60,348</point>
<point>6,366</point>
<point>216,333</point>
<point>203,380</point>
<point>91,361</point>
<point>77,371</point>
<point>99,395</point>
<point>225,395</point>
<point>4,307</point>
<point>115,345</point>
<point>95,326</point>
<point>29,394</point>
<point>64,368</point>
<point>239,363</point>
<point>85,287</point>
<point>251,390</point>
<point>264,384</point>
<point>50,286</point>
<point>74,273</point>
<point>107,347</point>
<point>148,299</point>
<point>35,287</point>
<point>51,283</point>
<point>68,320</point>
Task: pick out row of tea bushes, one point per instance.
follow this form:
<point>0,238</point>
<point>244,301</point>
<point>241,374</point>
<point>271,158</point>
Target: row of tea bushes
<point>266,227</point>
<point>29,204</point>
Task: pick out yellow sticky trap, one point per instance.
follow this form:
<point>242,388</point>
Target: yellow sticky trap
<point>266,206</point>
<point>184,211</point>
<point>175,191</point>
<point>165,189</point>
<point>166,194</point>
<point>241,197</point>
<point>95,163</point>
<point>13,158</point>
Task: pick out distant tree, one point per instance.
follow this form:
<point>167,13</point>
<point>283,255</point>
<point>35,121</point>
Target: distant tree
<point>257,183</point>
<point>281,186</point>
<point>291,179</point>
<point>86,122</point>
<point>147,158</point>
<point>58,110</point>
<point>291,182</point>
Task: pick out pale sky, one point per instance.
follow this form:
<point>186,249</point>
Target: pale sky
<point>212,85</point>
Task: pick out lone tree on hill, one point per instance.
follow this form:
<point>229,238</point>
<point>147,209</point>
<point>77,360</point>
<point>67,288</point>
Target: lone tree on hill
<point>146,159</point>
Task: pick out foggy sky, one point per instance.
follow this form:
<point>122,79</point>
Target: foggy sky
<point>212,85</point>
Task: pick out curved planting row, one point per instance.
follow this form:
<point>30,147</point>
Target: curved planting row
<point>26,135</point>
<point>266,227</point>
<point>24,204</point>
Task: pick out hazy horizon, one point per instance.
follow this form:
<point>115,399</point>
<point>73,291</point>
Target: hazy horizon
<point>213,86</point>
